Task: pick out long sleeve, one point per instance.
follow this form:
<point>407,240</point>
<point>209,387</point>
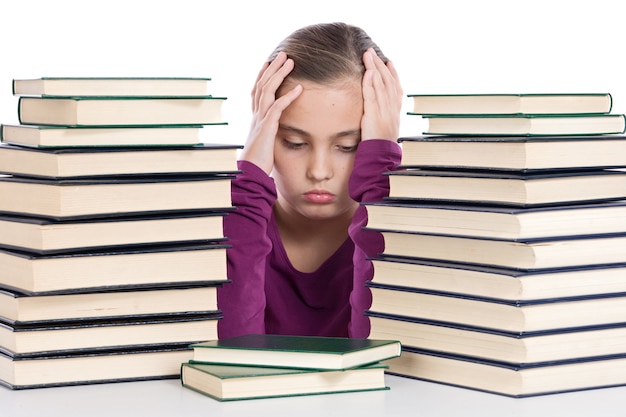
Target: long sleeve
<point>367,183</point>
<point>243,301</point>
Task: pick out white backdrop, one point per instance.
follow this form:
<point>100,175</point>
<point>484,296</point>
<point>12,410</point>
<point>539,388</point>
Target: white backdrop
<point>438,46</point>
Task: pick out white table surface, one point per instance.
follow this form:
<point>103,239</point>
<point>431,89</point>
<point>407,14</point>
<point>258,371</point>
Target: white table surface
<point>407,397</point>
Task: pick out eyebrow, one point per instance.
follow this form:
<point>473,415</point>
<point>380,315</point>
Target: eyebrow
<point>293,129</point>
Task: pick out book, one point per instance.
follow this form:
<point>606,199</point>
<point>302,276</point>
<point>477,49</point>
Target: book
<point>506,284</point>
<point>498,222</point>
<point>154,265</point>
<point>545,103</point>
<point>519,153</point>
<point>119,161</point>
<point>228,383</point>
<point>98,335</point>
<point>509,380</point>
<point>508,188</point>
<point>63,369</point>
<point>96,196</point>
<point>62,136</point>
<point>524,254</point>
<point>310,352</point>
<point>524,349</point>
<point>525,124</point>
<point>19,308</point>
<point>112,86</point>
<point>499,315</point>
<point>45,236</point>
<point>120,111</point>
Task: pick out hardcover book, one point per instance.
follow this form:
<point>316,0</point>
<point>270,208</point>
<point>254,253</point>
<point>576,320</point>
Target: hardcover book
<point>499,315</point>
<point>120,111</point>
<point>112,86</point>
<point>37,136</point>
<point>521,349</point>
<point>508,188</point>
<point>21,309</point>
<point>498,222</point>
<point>524,254</point>
<point>507,284</point>
<point>91,162</point>
<point>150,266</point>
<point>508,380</point>
<point>311,352</point>
<point>97,196</point>
<point>63,369</point>
<point>531,125</point>
<point>46,236</point>
<point>545,103</point>
<point>228,383</point>
<point>28,340</point>
<point>517,153</point>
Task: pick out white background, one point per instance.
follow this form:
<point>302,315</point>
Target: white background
<point>438,46</point>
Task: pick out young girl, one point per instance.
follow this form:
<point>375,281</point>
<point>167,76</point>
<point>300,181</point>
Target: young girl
<point>326,110</point>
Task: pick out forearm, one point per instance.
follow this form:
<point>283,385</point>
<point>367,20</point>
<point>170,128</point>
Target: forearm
<point>242,301</point>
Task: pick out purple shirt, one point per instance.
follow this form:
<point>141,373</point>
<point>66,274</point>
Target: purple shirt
<point>267,294</point>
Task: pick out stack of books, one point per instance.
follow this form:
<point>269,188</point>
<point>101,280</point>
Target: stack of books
<point>504,264</point>
<point>111,238</point>
<point>264,366</point>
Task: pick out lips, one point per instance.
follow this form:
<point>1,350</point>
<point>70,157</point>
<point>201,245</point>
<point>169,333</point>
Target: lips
<point>319,197</point>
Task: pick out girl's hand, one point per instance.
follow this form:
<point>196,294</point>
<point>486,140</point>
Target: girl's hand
<point>382,99</point>
<point>266,111</point>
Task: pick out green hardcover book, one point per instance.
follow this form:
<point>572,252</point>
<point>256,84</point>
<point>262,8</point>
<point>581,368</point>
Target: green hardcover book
<point>227,383</point>
<point>526,124</point>
<point>120,111</point>
<point>558,103</point>
<point>312,352</point>
<point>112,86</point>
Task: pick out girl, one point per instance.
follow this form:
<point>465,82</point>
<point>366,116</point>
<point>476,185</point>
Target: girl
<point>326,111</point>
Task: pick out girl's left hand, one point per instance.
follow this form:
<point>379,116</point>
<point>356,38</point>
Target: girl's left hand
<point>382,99</point>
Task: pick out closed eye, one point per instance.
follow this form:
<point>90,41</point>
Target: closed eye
<point>293,145</point>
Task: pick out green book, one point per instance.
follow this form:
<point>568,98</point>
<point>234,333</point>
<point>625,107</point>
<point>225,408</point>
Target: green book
<point>228,383</point>
<point>307,352</point>
<point>107,86</point>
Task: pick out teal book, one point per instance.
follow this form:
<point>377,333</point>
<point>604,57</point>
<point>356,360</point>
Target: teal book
<point>310,352</point>
<point>228,383</point>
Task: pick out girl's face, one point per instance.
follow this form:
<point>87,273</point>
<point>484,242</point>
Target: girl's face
<point>314,151</point>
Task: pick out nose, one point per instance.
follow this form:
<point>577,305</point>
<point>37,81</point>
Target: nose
<point>320,165</point>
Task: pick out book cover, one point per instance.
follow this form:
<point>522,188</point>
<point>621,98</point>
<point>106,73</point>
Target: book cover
<point>517,153</point>
<point>228,383</point>
<point>511,381</point>
<point>508,188</point>
<point>45,338</point>
<point>21,309</point>
<point>153,265</point>
<point>499,222</point>
<point>313,352</point>
<point>83,368</point>
<point>120,111</point>
<point>88,162</point>
<point>528,254</point>
<point>43,136</point>
<point>522,349</point>
<point>112,86</point>
<point>47,236</point>
<point>525,124</point>
<point>538,103</point>
<point>107,196</point>
<point>492,282</point>
<point>500,315</point>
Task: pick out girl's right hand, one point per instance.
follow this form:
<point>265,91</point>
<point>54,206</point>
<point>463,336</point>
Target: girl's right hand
<point>267,110</point>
